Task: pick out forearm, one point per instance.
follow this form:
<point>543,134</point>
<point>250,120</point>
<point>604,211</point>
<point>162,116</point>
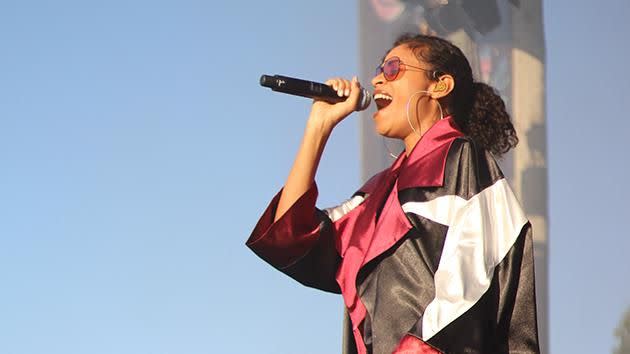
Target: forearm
<point>323,118</point>
<point>304,167</point>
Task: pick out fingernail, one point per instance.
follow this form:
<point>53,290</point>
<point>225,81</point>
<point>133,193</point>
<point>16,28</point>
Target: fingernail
<point>340,93</point>
<point>355,79</point>
<point>347,92</point>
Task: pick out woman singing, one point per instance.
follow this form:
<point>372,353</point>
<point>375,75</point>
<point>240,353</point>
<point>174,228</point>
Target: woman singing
<point>433,254</point>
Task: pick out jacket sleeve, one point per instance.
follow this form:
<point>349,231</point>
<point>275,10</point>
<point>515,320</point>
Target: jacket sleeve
<point>503,320</point>
<point>516,314</point>
<point>300,244</point>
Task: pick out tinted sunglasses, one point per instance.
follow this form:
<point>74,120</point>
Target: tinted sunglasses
<point>392,66</point>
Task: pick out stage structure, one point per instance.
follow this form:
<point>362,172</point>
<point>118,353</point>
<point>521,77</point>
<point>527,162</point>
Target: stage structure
<point>504,42</point>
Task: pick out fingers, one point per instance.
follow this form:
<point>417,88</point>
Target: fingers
<point>341,85</point>
<point>325,112</point>
<point>349,91</point>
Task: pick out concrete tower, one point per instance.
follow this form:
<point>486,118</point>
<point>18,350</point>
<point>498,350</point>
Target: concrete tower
<point>504,42</point>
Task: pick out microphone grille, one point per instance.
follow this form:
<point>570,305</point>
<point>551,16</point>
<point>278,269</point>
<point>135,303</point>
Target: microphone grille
<point>364,100</point>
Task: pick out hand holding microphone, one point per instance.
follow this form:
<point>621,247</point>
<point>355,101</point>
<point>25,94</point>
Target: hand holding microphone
<point>333,100</point>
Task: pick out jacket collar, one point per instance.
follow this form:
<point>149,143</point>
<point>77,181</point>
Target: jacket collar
<point>424,167</point>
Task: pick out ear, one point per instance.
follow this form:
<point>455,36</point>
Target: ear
<point>444,85</point>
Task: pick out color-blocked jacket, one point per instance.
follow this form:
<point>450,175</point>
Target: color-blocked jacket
<point>432,255</point>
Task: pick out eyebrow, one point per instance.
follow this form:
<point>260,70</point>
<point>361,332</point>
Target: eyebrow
<point>383,58</point>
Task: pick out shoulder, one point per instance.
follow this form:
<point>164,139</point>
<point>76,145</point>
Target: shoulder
<point>467,170</point>
<point>469,163</point>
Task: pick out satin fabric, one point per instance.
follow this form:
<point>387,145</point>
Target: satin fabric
<point>378,223</point>
<point>391,257</point>
<point>412,345</point>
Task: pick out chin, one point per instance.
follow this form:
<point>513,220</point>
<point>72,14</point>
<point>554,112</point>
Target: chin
<point>380,128</point>
<point>385,131</point>
<point>383,126</point>
<point>381,123</point>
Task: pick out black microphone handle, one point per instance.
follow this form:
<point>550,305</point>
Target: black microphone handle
<point>301,87</point>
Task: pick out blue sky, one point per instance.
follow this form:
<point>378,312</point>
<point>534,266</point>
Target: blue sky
<point>138,150</point>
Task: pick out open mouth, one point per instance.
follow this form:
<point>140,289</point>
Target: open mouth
<point>382,100</point>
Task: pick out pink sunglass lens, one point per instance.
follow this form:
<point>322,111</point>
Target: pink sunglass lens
<point>390,69</point>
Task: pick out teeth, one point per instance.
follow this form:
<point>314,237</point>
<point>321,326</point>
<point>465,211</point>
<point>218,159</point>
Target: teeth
<point>380,96</point>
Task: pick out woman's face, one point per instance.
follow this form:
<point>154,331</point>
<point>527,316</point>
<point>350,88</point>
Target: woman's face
<point>391,97</point>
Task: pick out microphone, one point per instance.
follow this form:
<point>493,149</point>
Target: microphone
<point>311,89</point>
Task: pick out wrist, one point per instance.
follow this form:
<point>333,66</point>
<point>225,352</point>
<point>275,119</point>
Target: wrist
<point>317,127</point>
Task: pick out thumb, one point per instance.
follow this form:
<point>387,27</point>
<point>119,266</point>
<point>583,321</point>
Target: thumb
<point>355,91</point>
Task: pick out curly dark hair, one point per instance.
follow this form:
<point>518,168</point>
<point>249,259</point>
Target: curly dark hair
<point>476,107</point>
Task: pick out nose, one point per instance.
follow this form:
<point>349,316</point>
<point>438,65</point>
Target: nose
<point>377,80</point>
